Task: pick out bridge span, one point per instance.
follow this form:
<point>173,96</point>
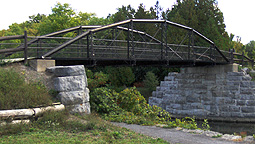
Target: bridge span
<point>129,42</point>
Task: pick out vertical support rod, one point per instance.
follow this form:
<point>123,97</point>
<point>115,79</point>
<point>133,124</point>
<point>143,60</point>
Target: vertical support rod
<point>88,46</point>
<point>80,43</point>
<point>132,38</point>
<point>128,41</point>
<point>192,45</point>
<point>211,47</point>
<point>162,41</point>
<point>25,47</point>
<point>37,52</point>
<point>165,26</point>
<point>190,32</point>
<point>91,45</point>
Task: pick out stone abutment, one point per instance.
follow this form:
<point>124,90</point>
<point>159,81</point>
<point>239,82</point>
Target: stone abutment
<point>217,93</point>
<point>71,83</point>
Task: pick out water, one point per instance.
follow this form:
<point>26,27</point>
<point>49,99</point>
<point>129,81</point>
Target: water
<point>231,128</point>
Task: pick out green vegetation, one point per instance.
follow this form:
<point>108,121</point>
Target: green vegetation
<point>150,81</point>
<point>217,136</point>
<point>120,76</point>
<point>131,107</point>
<point>59,127</point>
<point>127,106</point>
<point>16,93</point>
<point>55,127</point>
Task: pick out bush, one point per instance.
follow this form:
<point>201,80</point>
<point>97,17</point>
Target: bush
<point>104,100</point>
<point>16,93</point>
<point>127,106</point>
<point>150,81</point>
<point>121,76</point>
<point>131,100</point>
<point>98,79</point>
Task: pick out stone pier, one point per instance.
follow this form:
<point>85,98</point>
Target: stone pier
<point>71,83</point>
<point>217,92</point>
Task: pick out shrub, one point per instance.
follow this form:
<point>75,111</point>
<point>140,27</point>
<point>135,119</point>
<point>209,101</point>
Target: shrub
<point>150,81</point>
<point>131,100</point>
<point>127,106</point>
<point>16,93</point>
<point>121,76</point>
<point>104,100</point>
<point>98,79</point>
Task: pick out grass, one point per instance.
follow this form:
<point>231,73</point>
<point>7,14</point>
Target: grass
<point>56,127</point>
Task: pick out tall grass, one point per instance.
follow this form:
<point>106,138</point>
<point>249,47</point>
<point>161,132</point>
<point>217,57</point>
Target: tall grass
<point>16,93</point>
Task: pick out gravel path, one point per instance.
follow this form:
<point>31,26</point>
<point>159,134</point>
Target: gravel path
<point>174,136</point>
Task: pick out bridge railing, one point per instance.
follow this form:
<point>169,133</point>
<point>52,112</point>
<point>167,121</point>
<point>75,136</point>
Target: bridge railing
<point>8,47</point>
<point>117,49</point>
<point>241,59</point>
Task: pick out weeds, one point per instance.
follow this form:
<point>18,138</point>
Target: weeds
<point>205,125</point>
<point>56,127</point>
<point>217,136</point>
<point>16,93</point>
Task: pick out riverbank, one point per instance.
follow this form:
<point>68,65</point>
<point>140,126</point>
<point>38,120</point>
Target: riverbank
<point>185,136</point>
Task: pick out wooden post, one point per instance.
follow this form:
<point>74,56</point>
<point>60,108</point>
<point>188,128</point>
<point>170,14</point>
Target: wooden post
<point>232,56</point>
<point>242,59</point>
<point>25,47</point>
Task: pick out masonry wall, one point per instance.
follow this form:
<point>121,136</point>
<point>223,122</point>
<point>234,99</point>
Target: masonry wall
<point>218,92</point>
<point>71,83</point>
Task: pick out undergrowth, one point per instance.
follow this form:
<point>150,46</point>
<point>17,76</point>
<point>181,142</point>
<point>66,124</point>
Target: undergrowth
<point>60,127</point>
<point>16,93</point>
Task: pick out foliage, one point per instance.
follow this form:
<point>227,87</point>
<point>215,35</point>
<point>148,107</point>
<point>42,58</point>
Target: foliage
<point>60,127</point>
<point>127,106</point>
<point>150,81</point>
<point>16,93</point>
<point>217,136</point>
<point>160,72</point>
<point>121,76</point>
<point>187,122</point>
<point>104,100</point>
<point>204,16</point>
<point>205,125</point>
<point>250,49</point>
<point>97,79</point>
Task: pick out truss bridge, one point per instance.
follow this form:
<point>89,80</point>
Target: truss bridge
<point>129,42</point>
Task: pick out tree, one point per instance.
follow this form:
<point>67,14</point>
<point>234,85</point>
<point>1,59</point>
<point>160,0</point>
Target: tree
<point>202,15</point>
<point>121,76</point>
<point>124,13</point>
<point>250,49</point>
<point>62,17</point>
<point>150,81</point>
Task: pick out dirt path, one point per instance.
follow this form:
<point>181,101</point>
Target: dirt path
<point>174,136</point>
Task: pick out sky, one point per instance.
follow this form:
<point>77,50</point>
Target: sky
<point>238,14</point>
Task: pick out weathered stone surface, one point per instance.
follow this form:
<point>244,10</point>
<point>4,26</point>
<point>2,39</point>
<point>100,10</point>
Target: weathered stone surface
<point>73,97</point>
<point>83,108</point>
<point>205,91</point>
<point>70,83</point>
<point>62,71</point>
<point>247,109</point>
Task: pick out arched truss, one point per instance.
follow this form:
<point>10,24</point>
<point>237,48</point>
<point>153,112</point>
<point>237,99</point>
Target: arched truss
<point>124,41</point>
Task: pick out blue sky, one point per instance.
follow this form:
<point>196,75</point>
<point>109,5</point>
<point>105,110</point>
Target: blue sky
<point>238,14</point>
